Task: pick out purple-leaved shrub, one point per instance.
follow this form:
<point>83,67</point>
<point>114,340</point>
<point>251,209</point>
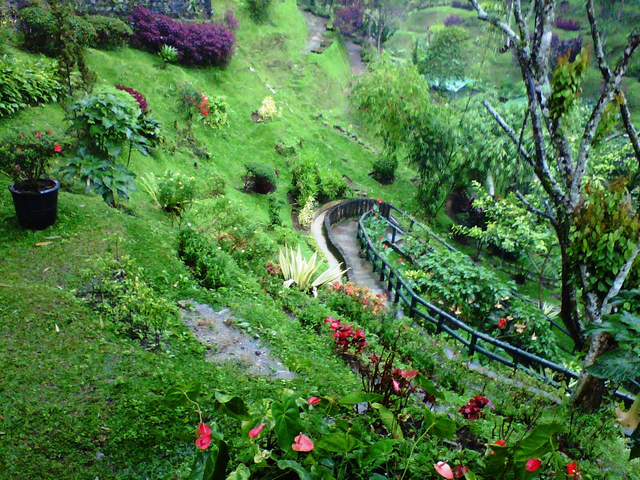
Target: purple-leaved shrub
<point>452,20</point>
<point>567,24</point>
<point>197,43</point>
<point>349,20</point>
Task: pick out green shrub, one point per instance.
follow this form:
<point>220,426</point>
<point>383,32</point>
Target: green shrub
<point>258,10</point>
<point>118,292</point>
<point>212,185</point>
<point>36,27</point>
<point>259,178</point>
<point>384,170</point>
<point>274,211</point>
<point>174,192</point>
<point>213,267</point>
<point>24,83</point>
<point>310,182</point>
<point>111,33</point>
<point>313,314</point>
<point>41,32</point>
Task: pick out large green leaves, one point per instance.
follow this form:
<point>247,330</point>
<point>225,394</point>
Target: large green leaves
<point>355,398</point>
<point>617,365</point>
<point>389,421</point>
<point>538,443</point>
<point>211,465</point>
<point>232,406</point>
<point>180,395</point>
<point>339,442</point>
<point>286,415</point>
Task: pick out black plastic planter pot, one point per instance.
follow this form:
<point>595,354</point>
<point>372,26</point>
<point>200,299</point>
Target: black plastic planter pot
<point>37,210</point>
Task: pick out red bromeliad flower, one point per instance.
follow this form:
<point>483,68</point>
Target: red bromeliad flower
<point>254,432</point>
<point>460,470</point>
<point>533,464</point>
<point>502,323</point>
<point>313,401</point>
<point>444,470</point>
<point>302,443</point>
<point>573,469</point>
<point>57,148</point>
<point>204,439</point>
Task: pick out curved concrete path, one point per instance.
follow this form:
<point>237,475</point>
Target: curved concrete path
<point>345,233</point>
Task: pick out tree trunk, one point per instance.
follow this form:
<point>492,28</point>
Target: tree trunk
<point>590,390</point>
<point>569,294</point>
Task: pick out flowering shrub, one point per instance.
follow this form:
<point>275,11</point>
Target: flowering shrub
<point>194,103</point>
<point>305,216</point>
<point>473,409</point>
<point>567,24</point>
<point>26,157</point>
<point>268,110</point>
<point>197,43</point>
<point>452,20</point>
<point>363,296</point>
<point>346,337</point>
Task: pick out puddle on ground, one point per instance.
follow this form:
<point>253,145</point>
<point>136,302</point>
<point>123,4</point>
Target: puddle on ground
<point>225,343</point>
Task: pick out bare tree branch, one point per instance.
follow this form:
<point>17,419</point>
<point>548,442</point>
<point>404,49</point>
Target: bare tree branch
<point>510,132</point>
<point>596,115</point>
<point>535,210</point>
<point>482,15</point>
<point>597,42</point>
<point>629,127</point>
<point>619,280</point>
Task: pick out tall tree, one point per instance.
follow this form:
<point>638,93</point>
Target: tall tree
<point>561,165</point>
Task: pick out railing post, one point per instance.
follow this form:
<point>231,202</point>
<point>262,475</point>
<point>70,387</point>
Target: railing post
<point>412,307</point>
<point>472,345</point>
<point>393,236</point>
<point>440,322</point>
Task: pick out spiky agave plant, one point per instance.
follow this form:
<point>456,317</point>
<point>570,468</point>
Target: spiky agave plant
<point>296,269</point>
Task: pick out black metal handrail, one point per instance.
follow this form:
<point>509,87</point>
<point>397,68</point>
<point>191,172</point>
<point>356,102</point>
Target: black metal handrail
<point>422,310</point>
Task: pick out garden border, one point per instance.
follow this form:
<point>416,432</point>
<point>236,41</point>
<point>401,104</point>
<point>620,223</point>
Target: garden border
<point>475,340</point>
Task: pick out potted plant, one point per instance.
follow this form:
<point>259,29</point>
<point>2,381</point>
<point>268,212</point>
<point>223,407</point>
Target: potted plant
<point>25,158</point>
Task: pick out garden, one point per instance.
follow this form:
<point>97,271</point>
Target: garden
<point>174,306</point>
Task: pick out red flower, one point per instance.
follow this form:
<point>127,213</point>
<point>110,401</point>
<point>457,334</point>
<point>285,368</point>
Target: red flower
<point>396,385</point>
<point>533,464</point>
<point>57,148</point>
<point>313,401</point>
<point>50,132</point>
<point>254,432</point>
<point>502,443</point>
<point>204,440</point>
<point>399,260</point>
<point>460,470</point>
<point>302,443</point>
<point>444,470</point>
<point>408,374</point>
<point>385,247</point>
<point>38,135</point>
<point>379,200</point>
<point>502,323</point>
<point>572,468</point>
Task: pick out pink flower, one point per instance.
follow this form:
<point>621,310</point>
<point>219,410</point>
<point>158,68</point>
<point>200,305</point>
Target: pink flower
<point>302,443</point>
<point>444,470</point>
<point>38,135</point>
<point>204,440</point>
<point>408,374</point>
<point>572,468</point>
<point>57,148</point>
<point>254,432</point>
<point>396,385</point>
<point>533,464</point>
<point>313,401</point>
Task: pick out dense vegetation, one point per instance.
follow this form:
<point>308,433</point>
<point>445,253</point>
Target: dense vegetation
<point>193,154</point>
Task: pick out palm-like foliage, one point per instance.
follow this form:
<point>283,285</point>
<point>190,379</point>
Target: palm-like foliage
<point>296,269</point>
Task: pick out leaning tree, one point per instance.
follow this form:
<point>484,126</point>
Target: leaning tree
<point>561,164</point>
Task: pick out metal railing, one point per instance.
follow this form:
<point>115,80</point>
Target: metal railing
<point>426,313</point>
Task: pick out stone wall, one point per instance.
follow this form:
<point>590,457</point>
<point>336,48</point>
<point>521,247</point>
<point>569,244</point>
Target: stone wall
<point>173,8</point>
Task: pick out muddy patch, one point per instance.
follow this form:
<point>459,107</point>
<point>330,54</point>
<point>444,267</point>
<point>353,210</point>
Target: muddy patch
<point>226,343</point>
